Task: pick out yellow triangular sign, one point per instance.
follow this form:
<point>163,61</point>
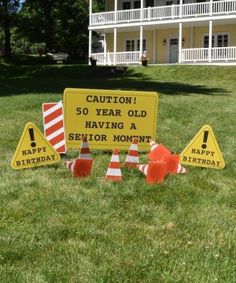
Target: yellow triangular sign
<point>203,150</point>
<point>33,150</point>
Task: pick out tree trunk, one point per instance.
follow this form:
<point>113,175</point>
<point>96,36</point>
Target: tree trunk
<point>7,32</point>
<point>49,37</point>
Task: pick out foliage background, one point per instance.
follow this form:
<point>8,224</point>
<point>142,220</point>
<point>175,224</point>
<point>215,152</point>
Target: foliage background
<point>38,26</point>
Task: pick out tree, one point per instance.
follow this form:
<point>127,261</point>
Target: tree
<point>37,21</point>
<point>61,24</point>
<point>98,5</point>
<point>71,26</point>
<point>8,9</point>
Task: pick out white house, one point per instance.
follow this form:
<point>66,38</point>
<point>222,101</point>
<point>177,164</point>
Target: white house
<point>170,31</point>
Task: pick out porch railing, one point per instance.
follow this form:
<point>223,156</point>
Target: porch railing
<point>225,54</point>
<point>111,58</point>
<point>225,7</point>
<point>194,55</point>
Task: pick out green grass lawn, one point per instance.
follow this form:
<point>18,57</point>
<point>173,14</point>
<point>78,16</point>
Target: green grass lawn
<point>54,228</point>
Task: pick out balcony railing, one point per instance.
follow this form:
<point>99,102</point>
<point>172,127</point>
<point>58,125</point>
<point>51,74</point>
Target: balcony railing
<point>193,55</point>
<point>225,54</point>
<point>121,58</point>
<point>165,12</point>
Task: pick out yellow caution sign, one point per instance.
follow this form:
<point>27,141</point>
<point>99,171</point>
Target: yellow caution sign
<point>203,150</point>
<point>33,150</point>
<point>110,118</point>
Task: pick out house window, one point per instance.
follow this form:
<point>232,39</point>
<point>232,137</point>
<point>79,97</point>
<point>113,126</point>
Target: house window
<point>206,41</point>
<point>218,40</point>
<point>149,3</point>
<point>126,5</point>
<point>130,45</point>
<point>144,44</point>
<point>134,45</point>
<point>168,3</point>
<point>137,4</point>
<point>222,40</point>
<point>174,41</point>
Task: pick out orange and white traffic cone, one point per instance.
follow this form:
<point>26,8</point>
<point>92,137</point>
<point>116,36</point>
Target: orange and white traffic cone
<point>156,172</point>
<point>158,151</point>
<point>132,158</point>
<point>143,168</point>
<point>173,165</point>
<point>153,145</point>
<point>80,167</point>
<point>83,167</point>
<point>84,149</point>
<point>172,162</point>
<point>70,165</point>
<point>113,171</point>
<point>181,169</point>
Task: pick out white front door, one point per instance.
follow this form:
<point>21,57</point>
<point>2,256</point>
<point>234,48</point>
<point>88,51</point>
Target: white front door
<point>173,50</point>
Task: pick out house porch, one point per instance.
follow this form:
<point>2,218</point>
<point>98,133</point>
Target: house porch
<point>186,44</point>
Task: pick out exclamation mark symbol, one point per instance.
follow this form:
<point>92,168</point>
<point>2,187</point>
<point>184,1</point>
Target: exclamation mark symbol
<point>31,133</point>
<point>205,137</point>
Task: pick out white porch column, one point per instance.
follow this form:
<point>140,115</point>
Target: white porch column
<point>180,8</point>
<point>90,32</point>
<point>115,46</point>
<point>180,41</point>
<point>141,41</point>
<point>105,49</point>
<point>154,44</point>
<point>115,10</point>
<point>141,10</point>
<point>90,11</point>
<point>90,46</point>
<point>210,41</point>
<point>191,37</point>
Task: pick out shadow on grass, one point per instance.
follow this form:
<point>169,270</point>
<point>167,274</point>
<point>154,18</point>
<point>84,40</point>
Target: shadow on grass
<point>16,80</point>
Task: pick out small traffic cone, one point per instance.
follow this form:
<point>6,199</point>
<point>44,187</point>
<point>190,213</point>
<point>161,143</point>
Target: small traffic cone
<point>113,171</point>
<point>181,169</point>
<point>84,149</point>
<point>83,167</point>
<point>80,167</point>
<point>153,145</point>
<point>70,165</point>
<point>132,158</point>
<point>143,168</point>
<point>158,151</point>
<point>173,165</point>
<point>172,162</point>
<point>156,172</point>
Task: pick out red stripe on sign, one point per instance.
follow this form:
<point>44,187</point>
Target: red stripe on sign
<point>57,139</point>
<point>56,123</point>
<point>53,115</point>
<point>61,148</point>
<point>48,106</point>
<point>54,128</point>
<point>114,165</point>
